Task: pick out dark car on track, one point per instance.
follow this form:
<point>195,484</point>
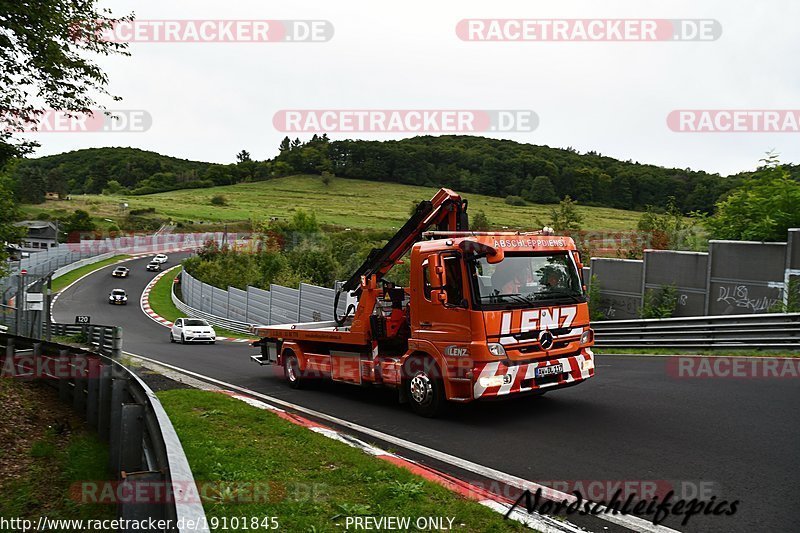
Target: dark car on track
<point>120,272</point>
<point>118,297</point>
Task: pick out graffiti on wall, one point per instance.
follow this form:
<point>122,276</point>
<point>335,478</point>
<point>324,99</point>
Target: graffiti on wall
<point>620,307</point>
<point>738,296</point>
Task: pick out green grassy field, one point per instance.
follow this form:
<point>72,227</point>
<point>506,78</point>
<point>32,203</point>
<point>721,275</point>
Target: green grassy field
<point>307,481</point>
<point>344,202</point>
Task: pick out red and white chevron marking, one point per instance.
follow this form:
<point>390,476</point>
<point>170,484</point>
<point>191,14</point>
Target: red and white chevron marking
<point>144,303</point>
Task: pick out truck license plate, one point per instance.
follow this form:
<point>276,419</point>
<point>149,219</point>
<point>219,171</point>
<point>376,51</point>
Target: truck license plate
<point>549,370</point>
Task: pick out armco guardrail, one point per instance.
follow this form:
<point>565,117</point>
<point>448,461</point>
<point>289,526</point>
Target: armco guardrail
<point>232,325</point>
<point>144,448</point>
<point>107,340</point>
<point>770,331</point>
<point>82,263</point>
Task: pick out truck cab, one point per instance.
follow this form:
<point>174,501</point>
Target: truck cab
<point>502,314</point>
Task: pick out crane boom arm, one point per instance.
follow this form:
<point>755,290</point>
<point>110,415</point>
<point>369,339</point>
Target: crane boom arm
<point>446,210</point>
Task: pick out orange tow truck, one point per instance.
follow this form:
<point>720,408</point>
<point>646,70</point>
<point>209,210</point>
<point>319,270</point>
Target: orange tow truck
<point>487,315</point>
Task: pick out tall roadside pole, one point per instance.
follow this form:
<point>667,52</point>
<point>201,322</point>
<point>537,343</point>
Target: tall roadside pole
<point>19,303</point>
<point>47,301</point>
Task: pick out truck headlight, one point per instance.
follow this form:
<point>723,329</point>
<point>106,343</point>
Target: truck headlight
<point>497,349</point>
<point>587,336</point>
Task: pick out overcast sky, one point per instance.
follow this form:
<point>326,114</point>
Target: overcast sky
<point>210,100</point>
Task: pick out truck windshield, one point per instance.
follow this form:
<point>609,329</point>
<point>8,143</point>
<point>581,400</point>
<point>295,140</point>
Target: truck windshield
<point>525,280</point>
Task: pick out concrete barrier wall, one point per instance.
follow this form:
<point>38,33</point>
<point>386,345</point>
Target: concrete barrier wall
<point>745,277</point>
<point>686,271</point>
<point>620,283</point>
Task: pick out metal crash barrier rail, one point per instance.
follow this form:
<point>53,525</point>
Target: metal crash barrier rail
<point>774,331</point>
<point>144,449</point>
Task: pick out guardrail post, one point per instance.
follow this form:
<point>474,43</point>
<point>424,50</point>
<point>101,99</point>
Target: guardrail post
<point>63,381</point>
<point>156,500</point>
<point>131,434</point>
<point>119,392</point>
<point>78,395</point>
<point>36,358</point>
<point>92,391</point>
<point>10,351</point>
<point>116,343</point>
<point>104,402</point>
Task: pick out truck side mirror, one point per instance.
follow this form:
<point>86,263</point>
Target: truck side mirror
<point>438,279</point>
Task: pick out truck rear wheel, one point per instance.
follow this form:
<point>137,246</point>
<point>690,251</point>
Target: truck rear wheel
<point>426,393</point>
<point>291,369</point>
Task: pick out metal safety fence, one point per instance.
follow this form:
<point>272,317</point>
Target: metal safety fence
<point>237,309</point>
<point>768,331</point>
<point>144,450</point>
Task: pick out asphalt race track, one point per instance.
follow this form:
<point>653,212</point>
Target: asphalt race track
<point>738,437</point>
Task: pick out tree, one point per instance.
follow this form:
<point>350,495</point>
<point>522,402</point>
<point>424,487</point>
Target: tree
<point>669,230</point>
<point>763,208</point>
<point>112,187</point>
<point>542,191</point>
<point>44,63</point>
<point>480,222</point>
<point>31,184</point>
<point>243,157</point>
<point>565,218</point>
<point>9,234</point>
<point>327,177</point>
<point>79,221</point>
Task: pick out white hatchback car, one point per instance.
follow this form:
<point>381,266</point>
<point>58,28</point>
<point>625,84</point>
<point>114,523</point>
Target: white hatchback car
<point>160,259</point>
<point>192,330</point>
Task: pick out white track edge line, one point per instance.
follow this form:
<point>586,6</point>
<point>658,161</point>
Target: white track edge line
<point>631,522</point>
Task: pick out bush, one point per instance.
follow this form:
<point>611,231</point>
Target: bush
<point>142,211</point>
<point>480,222</point>
<point>660,303</point>
<point>792,303</point>
<point>515,200</point>
<point>218,200</point>
<point>593,298</point>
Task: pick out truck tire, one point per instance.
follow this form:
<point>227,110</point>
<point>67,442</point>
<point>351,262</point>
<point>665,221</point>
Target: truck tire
<point>291,369</point>
<point>426,393</point>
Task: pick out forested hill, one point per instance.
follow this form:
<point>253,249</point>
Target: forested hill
<point>468,164</point>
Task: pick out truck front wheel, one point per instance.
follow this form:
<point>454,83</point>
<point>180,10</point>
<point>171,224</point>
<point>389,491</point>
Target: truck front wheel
<point>426,394</point>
